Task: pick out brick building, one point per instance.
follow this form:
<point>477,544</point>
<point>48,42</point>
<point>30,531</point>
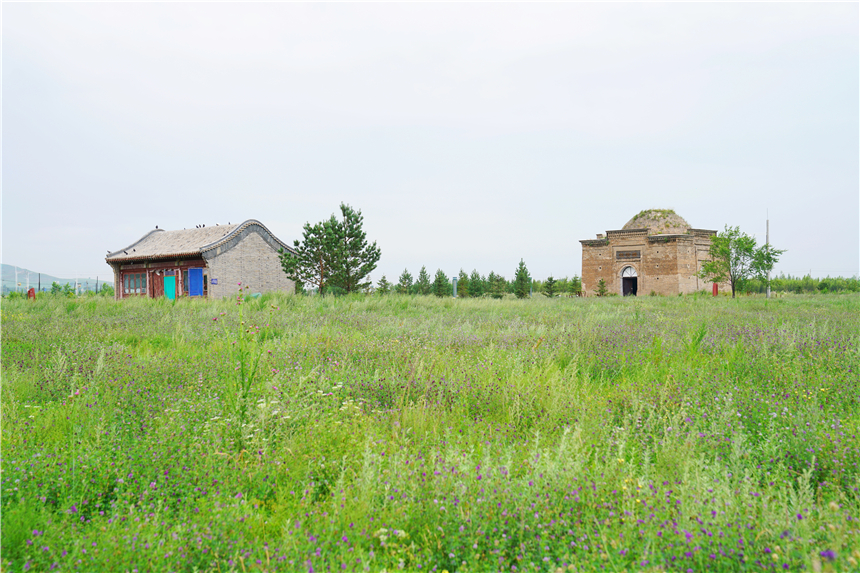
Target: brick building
<point>206,262</point>
<point>656,251</point>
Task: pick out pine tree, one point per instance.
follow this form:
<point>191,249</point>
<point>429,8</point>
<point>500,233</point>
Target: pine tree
<point>496,285</point>
<point>315,257</point>
<point>441,286</point>
<point>549,287</point>
<point>522,281</point>
<point>356,259</point>
<point>463,284</point>
<point>404,284</point>
<point>333,255</point>
<point>422,285</point>
<point>383,286</point>
<point>600,289</point>
<point>575,286</point>
<point>476,284</point>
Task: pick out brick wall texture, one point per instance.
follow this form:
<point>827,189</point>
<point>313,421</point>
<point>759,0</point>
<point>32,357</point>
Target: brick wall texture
<point>666,265</point>
<point>252,261</point>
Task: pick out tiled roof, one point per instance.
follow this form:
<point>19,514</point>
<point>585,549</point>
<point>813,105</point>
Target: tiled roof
<point>162,244</point>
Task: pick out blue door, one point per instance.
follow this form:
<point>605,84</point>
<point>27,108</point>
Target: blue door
<point>195,282</point>
<point>170,287</point>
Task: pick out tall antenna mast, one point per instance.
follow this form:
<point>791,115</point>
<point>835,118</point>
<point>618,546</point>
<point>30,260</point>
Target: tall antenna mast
<point>767,242</point>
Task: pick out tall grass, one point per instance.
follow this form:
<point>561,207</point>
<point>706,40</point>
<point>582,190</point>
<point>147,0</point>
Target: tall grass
<point>372,433</point>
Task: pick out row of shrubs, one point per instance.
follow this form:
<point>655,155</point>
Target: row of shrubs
<point>67,290</point>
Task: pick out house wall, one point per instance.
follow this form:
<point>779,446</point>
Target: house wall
<point>251,259</point>
<point>154,275</point>
<point>666,265</point>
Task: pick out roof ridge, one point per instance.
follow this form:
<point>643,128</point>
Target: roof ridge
<point>239,228</point>
<point>131,246</point>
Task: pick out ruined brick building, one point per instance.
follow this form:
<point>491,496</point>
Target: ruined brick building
<point>201,262</point>
<point>656,251</point>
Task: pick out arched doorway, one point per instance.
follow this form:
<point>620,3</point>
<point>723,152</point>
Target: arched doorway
<point>629,281</point>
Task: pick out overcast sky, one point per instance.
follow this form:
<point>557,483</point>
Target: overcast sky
<point>470,135</point>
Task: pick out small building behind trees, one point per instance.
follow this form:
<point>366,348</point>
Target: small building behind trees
<point>205,262</point>
<point>656,251</point>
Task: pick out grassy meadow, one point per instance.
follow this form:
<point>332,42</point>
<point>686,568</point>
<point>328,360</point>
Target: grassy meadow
<point>421,434</point>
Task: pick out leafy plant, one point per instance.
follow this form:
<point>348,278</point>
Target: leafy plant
<point>735,259</point>
<point>244,352</point>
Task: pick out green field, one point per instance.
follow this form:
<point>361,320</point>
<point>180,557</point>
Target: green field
<point>421,434</point>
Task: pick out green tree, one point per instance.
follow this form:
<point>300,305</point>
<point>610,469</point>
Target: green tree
<point>333,255</point>
<point>575,286</point>
<point>56,288</point>
<point>735,259</point>
<point>354,257</point>
<point>476,284</point>
<point>315,257</point>
<point>441,286</point>
<point>106,290</point>
<point>522,281</point>
<point>496,285</point>
<point>549,287</point>
<point>462,284</point>
<point>600,289</point>
<point>68,290</point>
<point>404,284</point>
<point>422,285</point>
<point>383,286</point>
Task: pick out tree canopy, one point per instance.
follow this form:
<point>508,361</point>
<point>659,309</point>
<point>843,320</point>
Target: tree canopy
<point>522,281</point>
<point>422,285</point>
<point>383,286</point>
<point>441,287</point>
<point>404,284</point>
<point>736,259</point>
<point>549,287</point>
<point>333,254</point>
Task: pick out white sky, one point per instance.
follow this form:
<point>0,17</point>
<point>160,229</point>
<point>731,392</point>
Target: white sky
<point>470,135</point>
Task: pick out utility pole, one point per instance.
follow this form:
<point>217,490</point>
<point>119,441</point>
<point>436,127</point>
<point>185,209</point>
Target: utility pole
<point>767,239</point>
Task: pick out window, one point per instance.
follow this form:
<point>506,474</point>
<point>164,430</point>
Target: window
<point>205,285</point>
<point>185,282</point>
<point>134,283</point>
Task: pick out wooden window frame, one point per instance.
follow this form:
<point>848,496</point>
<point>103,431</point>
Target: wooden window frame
<point>134,284</point>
